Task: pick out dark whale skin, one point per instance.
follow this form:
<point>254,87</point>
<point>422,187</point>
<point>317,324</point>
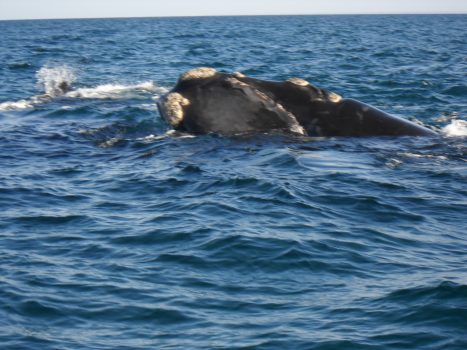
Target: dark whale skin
<point>206,101</point>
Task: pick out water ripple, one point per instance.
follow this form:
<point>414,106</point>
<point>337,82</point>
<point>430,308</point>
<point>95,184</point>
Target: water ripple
<point>118,233</point>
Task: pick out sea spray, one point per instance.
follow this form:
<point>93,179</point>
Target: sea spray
<point>52,80</point>
<point>55,81</point>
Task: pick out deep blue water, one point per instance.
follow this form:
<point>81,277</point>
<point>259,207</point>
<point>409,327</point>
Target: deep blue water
<point>115,234</point>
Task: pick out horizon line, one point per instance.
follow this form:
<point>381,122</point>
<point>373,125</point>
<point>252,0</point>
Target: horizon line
<point>242,15</point>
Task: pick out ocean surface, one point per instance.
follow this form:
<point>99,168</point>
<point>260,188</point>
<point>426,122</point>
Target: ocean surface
<point>116,233</point>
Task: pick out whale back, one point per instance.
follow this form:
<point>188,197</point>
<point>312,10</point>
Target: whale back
<point>206,101</point>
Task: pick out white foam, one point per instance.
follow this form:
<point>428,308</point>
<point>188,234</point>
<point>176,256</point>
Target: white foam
<point>23,104</point>
<point>455,128</point>
<point>110,142</point>
<point>428,156</point>
<point>151,138</point>
<point>169,133</point>
<point>55,81</point>
<point>115,91</point>
<point>15,105</point>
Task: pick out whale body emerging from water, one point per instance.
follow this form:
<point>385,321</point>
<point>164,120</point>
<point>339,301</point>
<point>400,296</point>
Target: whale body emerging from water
<point>206,101</point>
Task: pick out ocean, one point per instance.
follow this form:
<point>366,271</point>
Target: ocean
<point>116,233</point>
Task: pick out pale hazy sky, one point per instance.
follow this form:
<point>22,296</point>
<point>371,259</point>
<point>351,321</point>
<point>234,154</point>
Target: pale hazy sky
<point>27,9</point>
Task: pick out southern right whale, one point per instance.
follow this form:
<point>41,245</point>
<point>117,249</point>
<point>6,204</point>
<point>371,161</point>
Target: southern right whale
<point>206,101</point>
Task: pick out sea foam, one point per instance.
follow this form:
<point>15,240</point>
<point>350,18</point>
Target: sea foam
<point>16,105</point>
<point>457,127</point>
<point>115,91</point>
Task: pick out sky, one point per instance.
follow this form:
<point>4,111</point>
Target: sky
<point>38,9</point>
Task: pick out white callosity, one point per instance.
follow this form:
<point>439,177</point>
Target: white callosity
<point>173,105</point>
<point>239,75</point>
<point>198,73</point>
<point>298,81</point>
<point>333,97</point>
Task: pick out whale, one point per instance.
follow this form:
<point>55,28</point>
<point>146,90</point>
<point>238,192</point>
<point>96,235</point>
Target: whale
<point>205,101</point>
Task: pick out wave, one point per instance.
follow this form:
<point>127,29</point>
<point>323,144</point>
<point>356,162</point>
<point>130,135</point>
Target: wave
<point>439,306</point>
<point>57,81</point>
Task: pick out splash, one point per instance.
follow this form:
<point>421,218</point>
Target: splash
<point>456,128</point>
<point>56,81</point>
<point>53,81</point>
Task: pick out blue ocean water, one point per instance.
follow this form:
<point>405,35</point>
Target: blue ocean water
<point>117,234</point>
